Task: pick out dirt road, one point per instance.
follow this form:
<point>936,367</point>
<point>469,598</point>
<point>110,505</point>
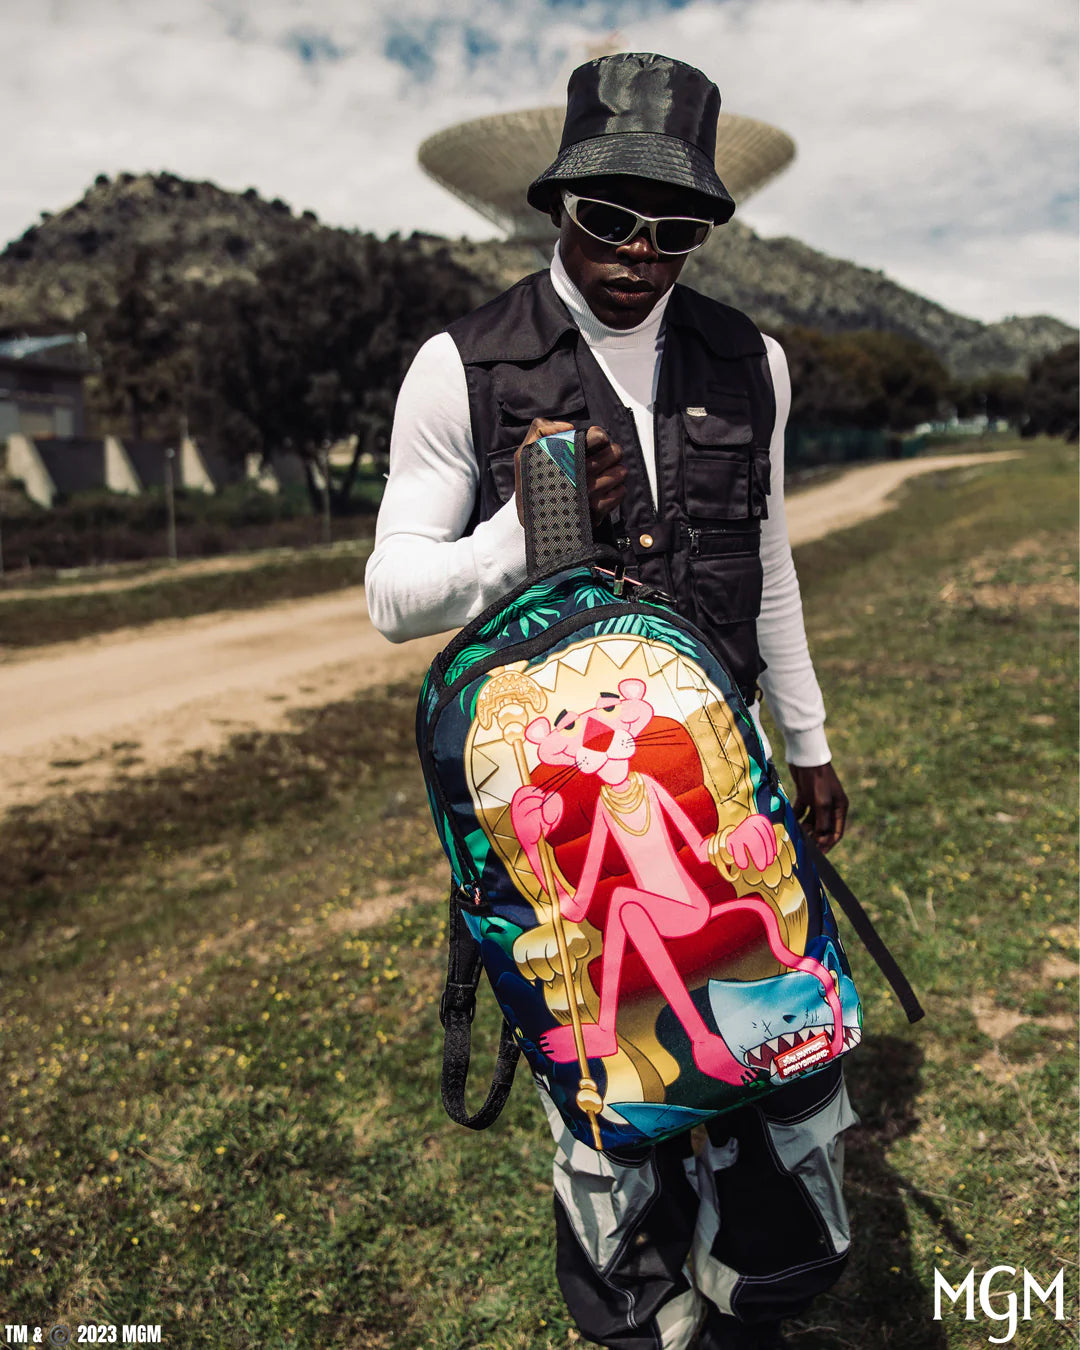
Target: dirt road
<point>78,714</point>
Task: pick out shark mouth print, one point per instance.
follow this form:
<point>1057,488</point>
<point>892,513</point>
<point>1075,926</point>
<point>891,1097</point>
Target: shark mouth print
<point>775,1057</point>
<point>749,1013</point>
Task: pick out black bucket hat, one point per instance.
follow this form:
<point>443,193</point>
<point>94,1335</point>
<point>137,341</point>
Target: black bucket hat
<point>643,115</point>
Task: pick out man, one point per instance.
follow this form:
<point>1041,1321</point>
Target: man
<point>706,1241</point>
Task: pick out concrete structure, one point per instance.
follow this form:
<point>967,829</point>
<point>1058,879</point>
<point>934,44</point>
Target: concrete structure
<point>196,472</point>
<point>281,472</point>
<point>490,161</point>
<point>191,468</point>
<point>42,420</point>
<point>60,466</point>
<point>24,465</point>
<point>41,381</point>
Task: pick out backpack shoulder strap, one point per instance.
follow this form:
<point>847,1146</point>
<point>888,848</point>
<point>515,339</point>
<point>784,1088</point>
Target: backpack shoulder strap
<point>864,928</point>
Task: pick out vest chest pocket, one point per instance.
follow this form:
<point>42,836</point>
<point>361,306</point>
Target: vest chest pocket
<point>549,388</point>
<point>721,476</point>
<point>501,465</point>
<point>510,430</point>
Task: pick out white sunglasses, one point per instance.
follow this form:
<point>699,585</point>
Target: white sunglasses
<point>616,225</point>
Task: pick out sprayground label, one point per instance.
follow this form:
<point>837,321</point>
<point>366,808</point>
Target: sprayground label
<point>802,1056</point>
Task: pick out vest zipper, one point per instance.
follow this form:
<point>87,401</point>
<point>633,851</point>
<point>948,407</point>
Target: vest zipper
<point>695,536</point>
<point>658,504</point>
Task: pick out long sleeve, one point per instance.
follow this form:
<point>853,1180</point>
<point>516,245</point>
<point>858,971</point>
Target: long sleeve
<point>422,576</point>
<point>789,684</point>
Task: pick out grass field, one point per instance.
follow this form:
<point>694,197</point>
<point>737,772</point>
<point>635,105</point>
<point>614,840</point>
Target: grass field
<point>41,619</point>
<point>218,994</point>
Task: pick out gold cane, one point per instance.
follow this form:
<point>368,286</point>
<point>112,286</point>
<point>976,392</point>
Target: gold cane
<point>505,701</point>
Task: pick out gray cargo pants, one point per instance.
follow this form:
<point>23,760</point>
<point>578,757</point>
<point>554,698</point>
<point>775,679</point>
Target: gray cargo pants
<point>742,1218</point>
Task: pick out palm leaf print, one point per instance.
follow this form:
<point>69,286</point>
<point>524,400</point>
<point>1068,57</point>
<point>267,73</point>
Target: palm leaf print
<point>465,658</point>
<point>527,600</point>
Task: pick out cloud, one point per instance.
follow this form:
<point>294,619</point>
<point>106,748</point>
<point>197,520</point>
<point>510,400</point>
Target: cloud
<point>936,139</point>
<point>313,47</point>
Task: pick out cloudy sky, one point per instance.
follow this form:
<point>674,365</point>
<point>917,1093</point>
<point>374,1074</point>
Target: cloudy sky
<point>937,139</point>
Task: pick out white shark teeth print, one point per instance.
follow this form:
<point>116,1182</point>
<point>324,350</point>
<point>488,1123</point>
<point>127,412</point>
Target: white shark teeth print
<point>762,1056</point>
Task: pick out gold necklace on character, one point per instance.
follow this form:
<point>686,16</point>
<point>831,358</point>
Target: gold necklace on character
<point>623,802</point>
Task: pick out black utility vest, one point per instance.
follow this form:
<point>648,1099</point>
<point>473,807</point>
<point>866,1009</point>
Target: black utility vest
<point>524,358</point>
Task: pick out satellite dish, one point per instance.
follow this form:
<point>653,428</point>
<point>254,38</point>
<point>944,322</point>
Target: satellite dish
<point>490,161</point>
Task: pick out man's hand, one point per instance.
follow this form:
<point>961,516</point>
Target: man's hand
<point>820,803</point>
<point>604,471</point>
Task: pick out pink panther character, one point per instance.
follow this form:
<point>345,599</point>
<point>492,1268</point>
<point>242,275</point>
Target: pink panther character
<point>642,818</point>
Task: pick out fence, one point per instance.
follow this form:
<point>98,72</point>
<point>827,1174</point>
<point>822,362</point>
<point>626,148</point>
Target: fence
<point>805,447</point>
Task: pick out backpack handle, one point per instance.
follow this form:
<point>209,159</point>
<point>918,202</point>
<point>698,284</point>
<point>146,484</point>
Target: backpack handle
<point>457,1008</point>
<point>555,501</point>
<point>869,936</point>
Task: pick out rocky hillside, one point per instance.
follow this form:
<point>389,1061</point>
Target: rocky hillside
<point>65,268</point>
<point>69,263</point>
<point>782,281</point>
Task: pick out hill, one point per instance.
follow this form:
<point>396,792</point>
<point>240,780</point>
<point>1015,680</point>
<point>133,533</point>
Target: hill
<point>65,269</point>
<point>196,232</point>
<point>781,282</point>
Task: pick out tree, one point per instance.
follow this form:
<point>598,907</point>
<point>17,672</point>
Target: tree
<point>997,395</point>
<point>869,379</point>
<point>828,387</point>
<point>315,349</point>
<point>1053,388</point>
<point>139,342</point>
<point>911,383</point>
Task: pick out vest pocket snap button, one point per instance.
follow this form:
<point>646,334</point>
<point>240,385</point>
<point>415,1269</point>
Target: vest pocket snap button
<point>646,541</point>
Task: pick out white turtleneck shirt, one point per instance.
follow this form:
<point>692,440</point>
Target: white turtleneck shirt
<point>423,577</point>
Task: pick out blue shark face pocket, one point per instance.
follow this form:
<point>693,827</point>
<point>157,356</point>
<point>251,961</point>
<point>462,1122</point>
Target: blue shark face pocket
<point>782,1025</point>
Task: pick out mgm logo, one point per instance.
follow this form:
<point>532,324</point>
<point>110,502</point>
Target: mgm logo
<point>1006,1309</point>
